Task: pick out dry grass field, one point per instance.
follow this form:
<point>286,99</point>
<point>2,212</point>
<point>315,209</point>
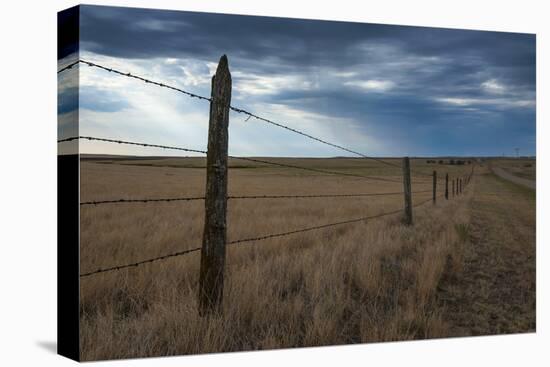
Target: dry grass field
<point>363,282</point>
<point>525,168</point>
<point>495,291</point>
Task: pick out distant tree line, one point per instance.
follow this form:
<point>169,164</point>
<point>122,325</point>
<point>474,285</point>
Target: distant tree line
<point>458,162</point>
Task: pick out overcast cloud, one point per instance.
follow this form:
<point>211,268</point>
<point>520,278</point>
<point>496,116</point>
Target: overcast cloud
<point>382,90</point>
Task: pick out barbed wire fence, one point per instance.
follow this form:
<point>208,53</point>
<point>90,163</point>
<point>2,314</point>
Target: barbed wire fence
<point>211,279</point>
<point>233,108</point>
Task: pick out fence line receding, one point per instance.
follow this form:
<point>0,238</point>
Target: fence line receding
<point>215,199</point>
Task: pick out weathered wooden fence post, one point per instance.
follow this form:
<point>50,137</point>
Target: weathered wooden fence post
<point>460,185</point>
<point>407,191</point>
<point>214,235</point>
<point>434,186</point>
<point>453,188</point>
<point>446,186</point>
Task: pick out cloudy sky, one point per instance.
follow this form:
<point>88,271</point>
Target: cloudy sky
<point>379,89</point>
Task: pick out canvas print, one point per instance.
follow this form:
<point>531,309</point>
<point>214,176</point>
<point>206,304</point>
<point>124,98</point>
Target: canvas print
<point>242,183</point>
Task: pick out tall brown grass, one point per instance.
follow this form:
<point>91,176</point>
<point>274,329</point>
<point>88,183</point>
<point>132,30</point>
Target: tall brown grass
<point>364,282</point>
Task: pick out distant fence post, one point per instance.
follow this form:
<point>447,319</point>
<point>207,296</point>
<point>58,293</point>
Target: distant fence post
<point>460,185</point>
<point>453,182</point>
<point>434,186</point>
<point>407,191</point>
<point>214,235</point>
<point>446,186</point>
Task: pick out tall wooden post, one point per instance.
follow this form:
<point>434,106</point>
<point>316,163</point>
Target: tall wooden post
<point>214,235</point>
<point>446,186</point>
<point>407,191</point>
<point>434,186</point>
<point>460,185</point>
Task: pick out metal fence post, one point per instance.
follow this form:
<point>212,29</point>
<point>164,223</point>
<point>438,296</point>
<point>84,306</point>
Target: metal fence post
<point>407,191</point>
<point>214,235</point>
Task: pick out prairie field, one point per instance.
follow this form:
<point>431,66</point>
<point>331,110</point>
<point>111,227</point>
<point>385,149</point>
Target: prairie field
<point>524,168</point>
<point>466,266</point>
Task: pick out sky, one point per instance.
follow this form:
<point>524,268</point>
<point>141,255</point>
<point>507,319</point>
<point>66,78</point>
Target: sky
<point>382,90</point>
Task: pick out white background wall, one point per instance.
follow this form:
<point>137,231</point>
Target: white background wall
<point>28,182</point>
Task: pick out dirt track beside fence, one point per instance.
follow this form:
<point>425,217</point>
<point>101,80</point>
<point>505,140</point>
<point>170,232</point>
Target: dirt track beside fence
<point>500,172</point>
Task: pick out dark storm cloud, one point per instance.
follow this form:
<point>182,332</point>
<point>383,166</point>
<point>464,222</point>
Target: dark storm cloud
<point>145,33</point>
<point>156,33</point>
<point>286,46</point>
<point>425,81</point>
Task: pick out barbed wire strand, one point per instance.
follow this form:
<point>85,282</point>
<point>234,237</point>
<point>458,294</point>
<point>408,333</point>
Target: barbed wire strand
<point>281,234</point>
<point>237,110</point>
<point>245,197</point>
<point>70,66</point>
<point>121,201</point>
<point>148,81</point>
<point>120,267</point>
<point>372,178</point>
<point>251,239</point>
<point>250,114</point>
<point>318,170</point>
<point>131,143</point>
